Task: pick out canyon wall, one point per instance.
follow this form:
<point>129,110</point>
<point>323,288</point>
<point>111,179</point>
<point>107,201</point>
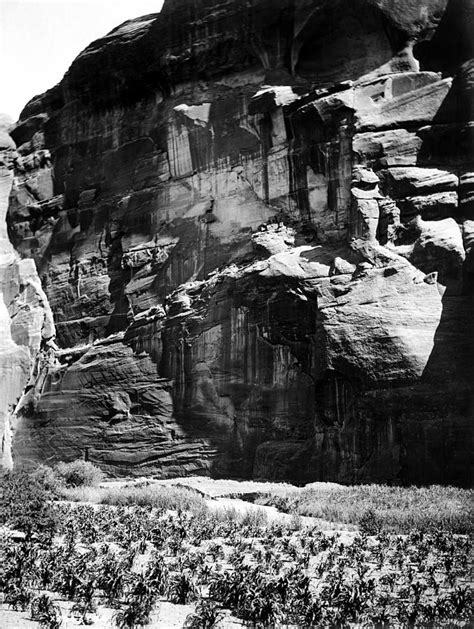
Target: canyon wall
<point>254,228</point>
<point>26,321</point>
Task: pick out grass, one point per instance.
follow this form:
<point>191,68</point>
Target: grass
<point>166,498</point>
<point>143,544</point>
<point>161,497</point>
<point>395,509</point>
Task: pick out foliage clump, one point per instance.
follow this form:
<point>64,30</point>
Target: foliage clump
<point>25,504</point>
<point>173,548</point>
<point>369,523</point>
<point>79,473</point>
<point>45,611</point>
<point>393,509</point>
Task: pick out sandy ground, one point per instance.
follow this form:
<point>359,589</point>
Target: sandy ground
<point>219,494</point>
<point>166,616</point>
<point>272,514</point>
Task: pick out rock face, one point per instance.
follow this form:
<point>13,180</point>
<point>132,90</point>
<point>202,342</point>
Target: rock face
<point>253,225</point>
<point>26,322</point>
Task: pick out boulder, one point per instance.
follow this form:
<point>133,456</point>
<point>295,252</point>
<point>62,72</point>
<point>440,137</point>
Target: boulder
<point>249,226</point>
<point>440,248</point>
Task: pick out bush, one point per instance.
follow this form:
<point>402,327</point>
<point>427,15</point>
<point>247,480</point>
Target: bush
<point>369,523</point>
<point>24,504</point>
<point>47,478</point>
<point>79,473</point>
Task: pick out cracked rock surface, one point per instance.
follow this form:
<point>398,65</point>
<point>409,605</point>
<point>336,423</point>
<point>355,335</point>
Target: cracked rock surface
<point>240,244</point>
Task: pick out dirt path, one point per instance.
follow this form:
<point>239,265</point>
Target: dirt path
<point>231,495</point>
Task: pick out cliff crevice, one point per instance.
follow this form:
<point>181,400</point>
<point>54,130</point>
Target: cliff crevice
<point>253,225</point>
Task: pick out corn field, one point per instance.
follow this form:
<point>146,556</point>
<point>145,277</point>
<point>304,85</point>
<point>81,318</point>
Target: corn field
<point>262,574</point>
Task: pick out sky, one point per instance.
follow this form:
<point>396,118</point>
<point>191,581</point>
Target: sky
<point>39,39</point>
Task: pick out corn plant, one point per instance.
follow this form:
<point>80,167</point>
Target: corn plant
<point>136,613</point>
<point>206,615</point>
<point>46,612</point>
<point>18,597</point>
<point>85,604</point>
<point>181,589</point>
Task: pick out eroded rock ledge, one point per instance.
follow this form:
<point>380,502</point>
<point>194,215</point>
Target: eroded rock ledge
<point>254,225</point>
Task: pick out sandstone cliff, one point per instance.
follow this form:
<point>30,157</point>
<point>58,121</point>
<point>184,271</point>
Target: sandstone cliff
<point>254,226</point>
<point>26,322</point>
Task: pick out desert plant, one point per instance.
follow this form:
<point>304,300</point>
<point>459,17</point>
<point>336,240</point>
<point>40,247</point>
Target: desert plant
<point>369,523</point>
<point>157,575</point>
<point>140,601</point>
<point>111,577</point>
<point>79,473</point>
<point>265,573</point>
<point>216,551</point>
<point>47,477</point>
<point>24,505</point>
<point>461,601</point>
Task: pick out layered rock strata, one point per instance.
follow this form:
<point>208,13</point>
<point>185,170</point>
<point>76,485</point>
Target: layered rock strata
<point>26,322</point>
<point>254,227</point>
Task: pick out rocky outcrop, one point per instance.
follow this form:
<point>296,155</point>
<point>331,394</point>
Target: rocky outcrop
<point>253,228</point>
<point>26,322</point>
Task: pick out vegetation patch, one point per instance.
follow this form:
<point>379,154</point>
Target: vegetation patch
<point>78,473</point>
<point>133,557</point>
<point>161,497</point>
<point>380,507</point>
<point>25,504</point>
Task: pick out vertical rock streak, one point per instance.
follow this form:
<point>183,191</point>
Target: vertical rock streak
<point>26,321</point>
<point>253,228</point>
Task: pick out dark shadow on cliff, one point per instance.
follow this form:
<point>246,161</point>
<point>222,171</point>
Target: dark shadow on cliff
<point>442,429</point>
<point>343,41</point>
<point>118,318</point>
<point>453,42</point>
<point>445,427</point>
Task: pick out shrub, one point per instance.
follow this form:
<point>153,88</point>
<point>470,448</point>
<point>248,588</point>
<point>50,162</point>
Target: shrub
<point>82,494</point>
<point>369,523</point>
<point>46,477</point>
<point>24,504</point>
<point>79,473</point>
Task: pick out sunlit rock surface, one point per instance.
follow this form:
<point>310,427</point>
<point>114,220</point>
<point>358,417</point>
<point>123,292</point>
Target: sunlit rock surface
<point>252,223</point>
<point>26,321</point>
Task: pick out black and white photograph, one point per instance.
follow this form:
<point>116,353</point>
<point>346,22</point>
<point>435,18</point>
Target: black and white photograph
<point>236,314</point>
